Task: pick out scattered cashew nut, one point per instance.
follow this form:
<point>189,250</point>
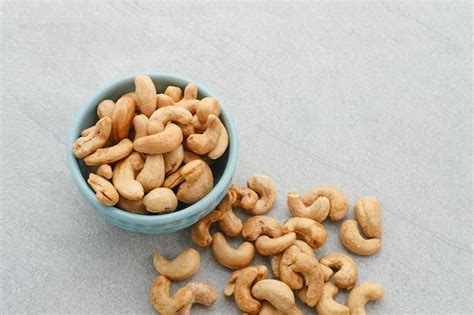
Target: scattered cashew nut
<point>338,201</point>
<point>230,257</point>
<point>267,246</point>
<point>200,230</point>
<point>246,197</point>
<point>276,292</point>
<point>361,294</point>
<point>183,266</point>
<point>354,242</point>
<point>203,294</point>
<point>311,231</point>
<point>162,301</point>
<point>265,188</point>
<point>346,274</point>
<point>309,267</point>
<point>367,211</point>
<point>230,224</point>
<point>258,225</point>
<point>327,305</point>
<point>286,269</point>
<point>318,210</point>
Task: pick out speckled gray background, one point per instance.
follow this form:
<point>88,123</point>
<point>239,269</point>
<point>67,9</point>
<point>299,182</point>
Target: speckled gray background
<point>375,97</point>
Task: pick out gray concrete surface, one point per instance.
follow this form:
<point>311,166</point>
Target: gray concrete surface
<point>374,97</point>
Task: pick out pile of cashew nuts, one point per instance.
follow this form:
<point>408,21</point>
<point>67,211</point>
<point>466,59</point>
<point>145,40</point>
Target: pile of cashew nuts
<point>296,269</point>
<point>145,144</point>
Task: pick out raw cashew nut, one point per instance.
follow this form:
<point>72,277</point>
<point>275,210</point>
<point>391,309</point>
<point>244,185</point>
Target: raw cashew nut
<point>311,231</point>
<point>94,140</point>
<point>105,108</point>
<point>122,118</point>
<point>286,269</point>
<point>336,198</point>
<point>367,211</point>
<point>105,191</point>
<point>133,206</point>
<point>162,116</point>
<point>361,294</point>
<point>140,125</point>
<point>222,144</point>
<point>346,275</point>
<point>153,173</point>
<point>183,266</point>
<point>326,304</point>
<point>189,100</point>
<point>313,276</point>
<point>206,107</point>
<point>230,257</point>
<point>267,246</point>
<point>163,100</point>
<point>174,179</point>
<point>200,230</point>
<point>246,197</point>
<point>145,92</point>
<point>111,154</point>
<point>265,188</point>
<point>239,285</point>
<point>160,200</point>
<point>174,93</point>
<point>173,159</point>
<point>318,210</point>
<point>124,177</point>
<point>205,142</point>
<point>258,225</point>
<point>354,242</point>
<point>165,141</point>
<point>199,181</point>
<point>203,294</point>
<point>230,224</point>
<point>276,292</point>
<point>105,170</point>
<point>162,301</point>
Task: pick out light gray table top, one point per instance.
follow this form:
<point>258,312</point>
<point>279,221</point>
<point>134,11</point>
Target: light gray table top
<point>375,98</point>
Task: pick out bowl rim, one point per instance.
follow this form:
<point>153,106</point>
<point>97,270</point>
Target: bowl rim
<point>117,213</point>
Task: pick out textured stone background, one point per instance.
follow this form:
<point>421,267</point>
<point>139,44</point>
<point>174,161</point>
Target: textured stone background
<point>375,97</point>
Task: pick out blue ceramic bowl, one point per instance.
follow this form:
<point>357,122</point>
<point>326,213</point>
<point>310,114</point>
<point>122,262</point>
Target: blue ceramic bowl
<point>223,169</point>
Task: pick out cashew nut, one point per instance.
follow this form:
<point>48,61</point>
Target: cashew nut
<point>205,142</point>
<point>304,248</point>
<point>258,225</point>
<point>191,156</point>
<point>326,304</point>
<point>207,106</point>
<point>173,159</point>
<point>199,127</point>
<point>94,140</point>
<point>313,276</point>
<point>105,192</point>
<point>318,210</point>
<point>346,275</point>
<point>140,125</point>
<point>367,211</point>
<point>267,246</point>
<point>132,95</point>
<point>174,179</point>
<point>203,294</point>
<point>265,188</point>
<point>246,197</point>
<point>105,170</point>
<point>311,231</point>
<point>153,173</point>
<point>174,92</point>
<point>200,230</point>
<point>187,130</point>
<point>327,272</point>
<point>275,265</point>
<point>160,200</point>
<point>286,272</point>
<point>189,100</point>
<point>199,181</point>
<point>276,292</point>
<point>230,257</point>
<point>105,108</point>
<point>124,177</point>
<point>163,100</point>
<point>111,154</point>
<point>354,242</point>
<point>122,118</point>
<point>183,266</point>
<point>162,301</point>
<point>230,224</point>
<point>165,141</point>
<point>86,131</point>
<point>222,144</point>
<point>239,285</point>
<point>336,198</point>
<point>133,206</point>
<point>145,92</point>
<point>162,116</point>
<point>361,294</point>
<point>268,309</point>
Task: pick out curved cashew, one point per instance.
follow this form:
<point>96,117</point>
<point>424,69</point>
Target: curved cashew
<point>239,285</point>
<point>222,144</point>
<point>162,116</point>
<point>183,266</point>
<point>133,206</point>
<point>140,125</point>
<point>95,139</point>
<point>160,200</point>
<point>311,231</point>
<point>174,92</point>
<point>230,224</point>
<point>275,265</point>
<point>200,230</point>
<point>230,257</point>
<point>199,181</point>
<point>86,131</point>
<point>199,127</point>
<point>354,242</point>
<point>246,197</point>
<point>313,276</point>
<point>267,246</point>
<point>258,225</point>
<point>122,118</point>
<point>203,294</point>
<point>367,211</point>
<point>207,106</point>
<point>132,95</point>
<point>265,188</point>
<point>189,100</point>
<point>361,294</point>
<point>327,272</point>
<point>336,198</point>
<point>162,301</point>
<point>111,154</point>
<point>346,275</point>
<point>105,108</point>
<point>174,179</point>
<point>105,170</point>
<point>318,210</point>
<point>276,292</point>
<point>326,304</point>
<point>173,159</point>
<point>268,309</point>
<point>163,100</point>
<point>153,173</point>
<point>286,272</point>
<point>187,130</point>
<point>124,177</point>
<point>205,142</point>
<point>145,92</point>
<point>105,191</point>
<point>165,141</point>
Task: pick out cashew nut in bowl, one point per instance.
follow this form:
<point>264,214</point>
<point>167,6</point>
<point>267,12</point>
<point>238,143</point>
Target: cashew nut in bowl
<point>174,92</point>
<point>354,242</point>
<point>265,188</point>
<point>207,106</point>
<point>175,179</point>
<point>286,269</point>
<point>132,95</point>
<point>205,142</point>
<point>140,125</point>
<point>275,265</point>
<point>160,200</point>
<point>230,224</point>
<point>94,140</point>
<point>173,159</point>
<point>346,274</point>
<point>124,177</point>
<point>165,141</point>
<point>162,116</point>
<point>267,246</point>
<point>162,301</point>
<point>311,231</point>
<point>105,192</point>
<point>152,174</point>
<point>198,126</point>
<point>189,100</point>
<point>230,257</point>
<point>318,210</point>
<point>326,304</point>
<point>203,294</point>
<point>258,225</point>
<point>312,273</point>
<point>276,292</point>
<point>183,266</point>
<point>191,156</point>
<point>145,93</point>
<point>200,230</point>
<point>199,181</point>
<point>361,294</point>
<point>239,285</point>
<point>367,211</point>
<point>86,131</point>
<point>105,170</point>
<point>221,145</point>
<point>111,154</point>
<point>105,108</point>
<point>163,100</point>
<point>246,197</point>
<point>122,118</point>
<point>338,201</point>
<point>133,206</point>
